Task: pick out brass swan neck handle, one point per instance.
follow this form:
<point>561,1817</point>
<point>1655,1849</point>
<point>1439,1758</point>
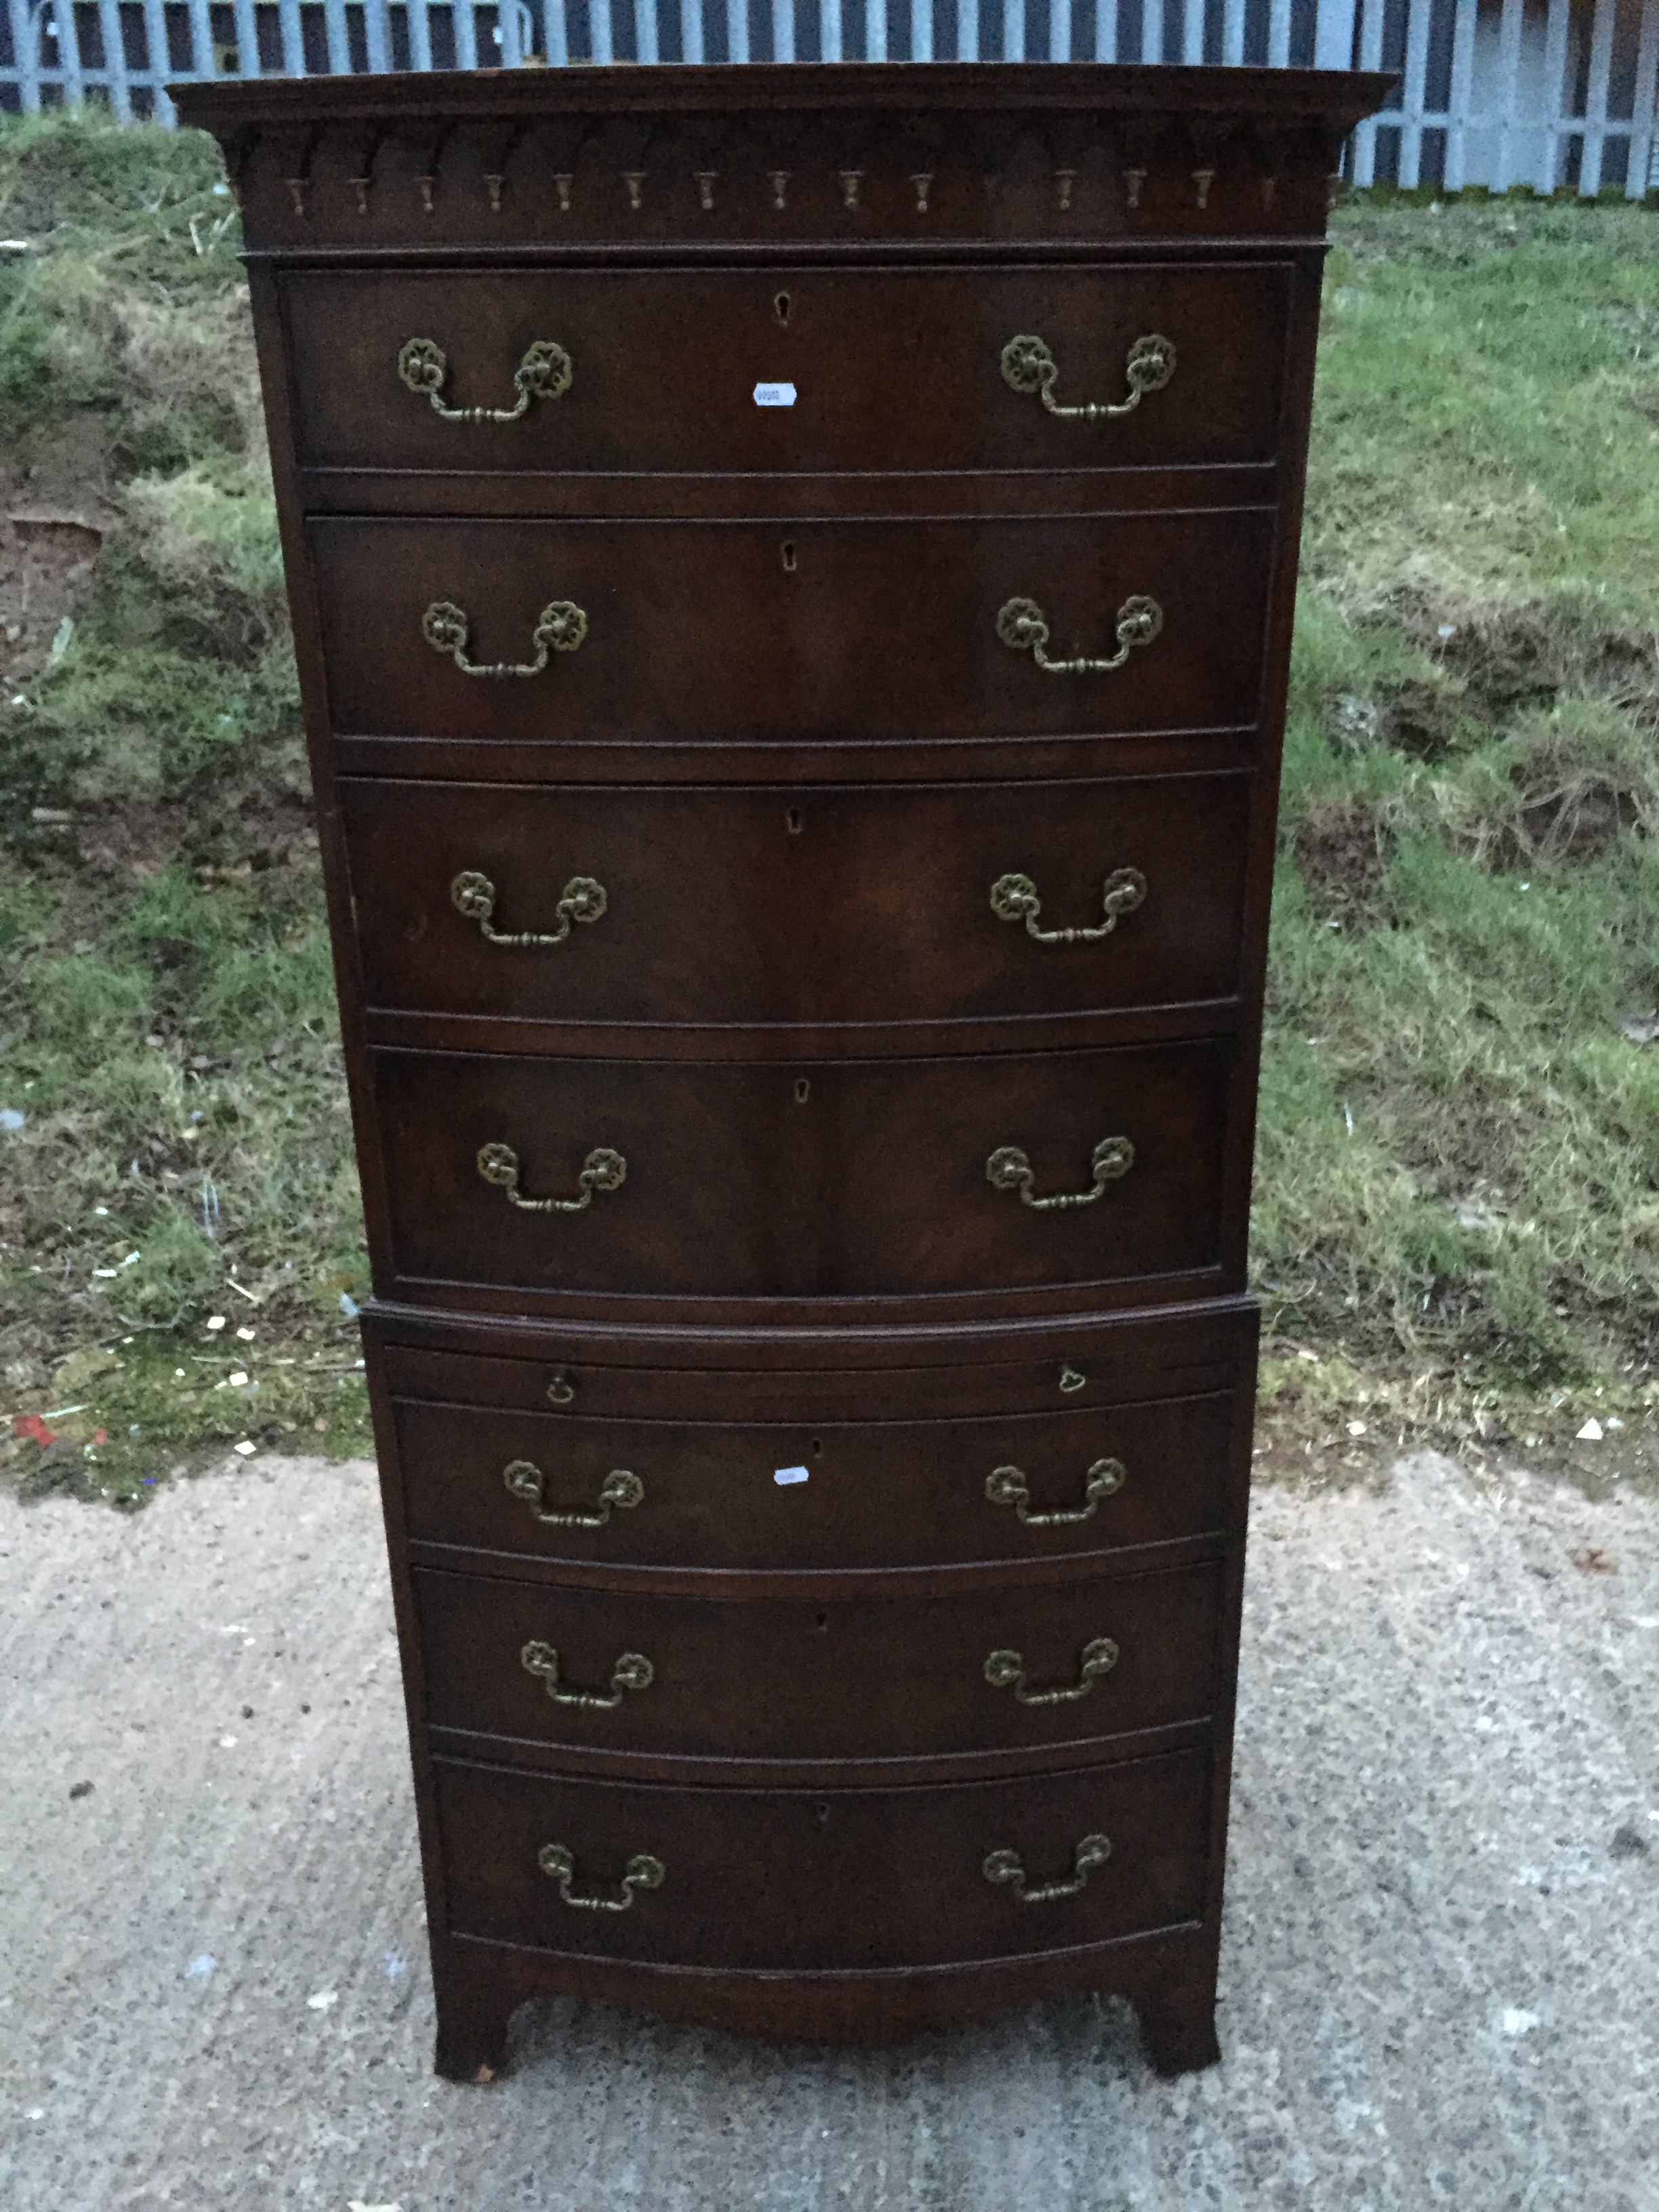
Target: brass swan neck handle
<point>620,1491</point>
<point>1008,1485</point>
<point>603,1170</point>
<point>582,900</point>
<point>1010,1168</point>
<point>632,1671</point>
<point>1024,628</point>
<point>1028,365</point>
<point>641,1872</point>
<point>1014,898</point>
<point>545,373</point>
<point>1005,1670</point>
<point>1006,1869</point>
<point>560,628</point>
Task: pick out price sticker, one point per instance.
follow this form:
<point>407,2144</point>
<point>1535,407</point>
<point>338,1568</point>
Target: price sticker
<point>774,395</point>
<point>787,1474</point>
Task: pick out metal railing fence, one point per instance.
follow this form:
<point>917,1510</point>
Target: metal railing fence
<point>1544,93</point>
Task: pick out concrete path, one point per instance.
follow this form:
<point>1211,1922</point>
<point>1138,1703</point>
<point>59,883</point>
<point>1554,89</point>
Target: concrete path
<point>1439,1977</point>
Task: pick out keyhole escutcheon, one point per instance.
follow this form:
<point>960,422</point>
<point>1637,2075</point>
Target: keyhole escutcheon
<point>788,556</point>
<point>793,820</point>
<point>780,309</point>
<point>803,1091</point>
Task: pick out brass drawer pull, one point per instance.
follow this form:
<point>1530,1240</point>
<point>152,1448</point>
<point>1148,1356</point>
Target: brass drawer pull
<point>641,1872</point>
<point>620,1491</point>
<point>1023,627</point>
<point>544,374</point>
<point>1005,1670</point>
<point>1007,1485</point>
<point>560,628</point>
<point>1014,898</point>
<point>603,1170</point>
<point>633,1671</point>
<point>1008,1868</point>
<point>1028,365</point>
<point>1010,1168</point>
<point>581,900</point>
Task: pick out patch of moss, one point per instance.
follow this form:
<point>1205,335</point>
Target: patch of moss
<point>126,1418</point>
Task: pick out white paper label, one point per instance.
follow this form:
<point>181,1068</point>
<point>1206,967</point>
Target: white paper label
<point>789,1474</point>
<point>774,395</point>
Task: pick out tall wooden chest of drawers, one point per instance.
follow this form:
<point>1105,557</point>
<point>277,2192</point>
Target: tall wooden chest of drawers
<point>792,573</point>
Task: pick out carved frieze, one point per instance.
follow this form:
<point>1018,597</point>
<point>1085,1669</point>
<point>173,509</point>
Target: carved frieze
<point>601,162</point>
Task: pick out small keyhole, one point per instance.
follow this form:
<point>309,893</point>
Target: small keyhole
<point>821,1813</point>
<point>817,1447</point>
<point>803,1091</point>
<point>793,821</point>
<point>788,556</point>
<point>780,308</point>
<point>824,1623</point>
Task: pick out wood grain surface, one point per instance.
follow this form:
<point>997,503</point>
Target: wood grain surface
<point>808,908</point>
<point>879,1493</point>
<point>892,370</point>
<point>776,1880</point>
<point>705,632</point>
<point>805,1180</point>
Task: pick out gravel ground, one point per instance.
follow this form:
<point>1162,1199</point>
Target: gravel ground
<point>1437,1977</point>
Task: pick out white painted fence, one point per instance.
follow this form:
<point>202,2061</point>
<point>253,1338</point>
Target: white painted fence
<point>1545,93</point>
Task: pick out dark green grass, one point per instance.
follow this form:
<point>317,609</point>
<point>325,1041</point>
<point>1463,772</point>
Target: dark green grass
<point>1459,1150</point>
<point>167,1024</point>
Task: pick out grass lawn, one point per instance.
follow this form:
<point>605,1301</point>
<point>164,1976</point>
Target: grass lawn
<point>1458,1166</point>
<point>1457,1207</point>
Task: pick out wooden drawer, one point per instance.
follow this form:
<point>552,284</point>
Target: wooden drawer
<point>797,905</point>
<point>780,1879</point>
<point>765,1679</point>
<point>876,1493</point>
<point>890,371</point>
<point>727,633</point>
<point>836,1373</point>
<point>793,1180</point>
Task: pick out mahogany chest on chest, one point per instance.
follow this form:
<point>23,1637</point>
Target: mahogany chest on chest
<point>792,571</point>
